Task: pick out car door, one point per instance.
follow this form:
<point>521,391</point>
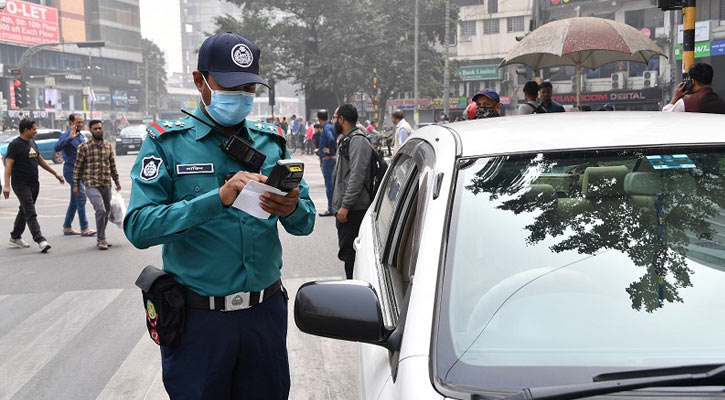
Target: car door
<point>386,250</point>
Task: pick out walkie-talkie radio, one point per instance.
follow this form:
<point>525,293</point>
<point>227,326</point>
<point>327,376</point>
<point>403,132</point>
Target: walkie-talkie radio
<point>237,148</point>
<point>286,175</point>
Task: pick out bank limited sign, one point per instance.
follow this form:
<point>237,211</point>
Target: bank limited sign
<point>479,72</point>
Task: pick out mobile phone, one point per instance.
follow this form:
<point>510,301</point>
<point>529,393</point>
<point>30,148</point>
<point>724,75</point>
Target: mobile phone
<point>688,85</point>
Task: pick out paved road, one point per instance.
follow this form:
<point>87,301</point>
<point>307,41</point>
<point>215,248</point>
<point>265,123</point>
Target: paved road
<point>72,322</point>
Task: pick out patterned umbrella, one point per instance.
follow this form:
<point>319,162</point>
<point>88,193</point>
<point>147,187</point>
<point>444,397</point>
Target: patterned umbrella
<point>584,42</point>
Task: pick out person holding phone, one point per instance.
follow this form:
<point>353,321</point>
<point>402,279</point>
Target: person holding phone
<point>68,144</point>
<point>695,93</point>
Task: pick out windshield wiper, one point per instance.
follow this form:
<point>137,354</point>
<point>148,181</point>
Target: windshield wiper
<point>711,377</point>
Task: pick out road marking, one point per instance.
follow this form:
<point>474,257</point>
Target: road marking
<point>34,342</point>
<point>136,377</point>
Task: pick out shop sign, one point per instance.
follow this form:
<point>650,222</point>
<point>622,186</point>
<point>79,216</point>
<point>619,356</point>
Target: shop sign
<point>407,104</point>
<point>652,95</point>
<point>479,72</point>
<point>717,48</point>
<point>103,98</point>
<point>702,32</point>
<point>702,50</point>
<point>28,23</point>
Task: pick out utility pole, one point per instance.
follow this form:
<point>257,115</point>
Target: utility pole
<point>415,70</point>
<point>446,65</point>
<point>688,35</point>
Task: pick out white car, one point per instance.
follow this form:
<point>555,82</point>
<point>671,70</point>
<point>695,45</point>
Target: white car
<point>563,255</point>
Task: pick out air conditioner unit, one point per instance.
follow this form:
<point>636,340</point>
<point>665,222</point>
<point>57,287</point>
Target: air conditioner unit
<point>619,80</point>
<point>574,83</point>
<point>650,78</point>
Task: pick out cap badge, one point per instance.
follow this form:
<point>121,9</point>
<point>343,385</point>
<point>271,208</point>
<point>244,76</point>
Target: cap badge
<point>242,56</point>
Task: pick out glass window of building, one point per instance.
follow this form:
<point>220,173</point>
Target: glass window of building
<point>515,24</point>
<point>492,6</point>
<point>468,28</point>
<point>491,26</point>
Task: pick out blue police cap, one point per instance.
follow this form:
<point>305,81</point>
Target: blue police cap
<point>231,59</point>
<point>490,93</point>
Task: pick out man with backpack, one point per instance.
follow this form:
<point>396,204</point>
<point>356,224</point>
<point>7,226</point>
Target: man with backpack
<point>353,191</point>
<point>531,92</point>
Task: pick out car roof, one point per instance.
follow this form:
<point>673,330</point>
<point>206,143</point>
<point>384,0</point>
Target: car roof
<point>582,130</point>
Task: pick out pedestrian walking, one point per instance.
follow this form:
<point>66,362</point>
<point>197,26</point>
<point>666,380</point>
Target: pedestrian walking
<point>351,198</point>
<point>21,173</point>
<point>531,106</point>
<point>226,262</point>
<point>328,157</point>
<point>549,105</point>
<point>697,96</point>
<point>402,129</point>
<point>68,146</point>
<point>95,167</point>
<point>309,138</point>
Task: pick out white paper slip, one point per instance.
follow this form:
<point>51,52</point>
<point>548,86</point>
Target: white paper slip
<point>248,199</point>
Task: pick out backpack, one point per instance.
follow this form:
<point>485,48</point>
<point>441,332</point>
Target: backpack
<point>538,109</point>
<point>377,167</point>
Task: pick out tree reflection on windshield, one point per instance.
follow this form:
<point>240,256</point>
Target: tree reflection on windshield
<point>657,217</point>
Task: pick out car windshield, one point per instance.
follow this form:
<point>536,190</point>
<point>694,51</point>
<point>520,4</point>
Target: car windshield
<point>136,130</point>
<point>563,266</point>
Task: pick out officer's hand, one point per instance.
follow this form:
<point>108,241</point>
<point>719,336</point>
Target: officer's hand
<point>229,192</point>
<point>76,191</point>
<point>280,206</point>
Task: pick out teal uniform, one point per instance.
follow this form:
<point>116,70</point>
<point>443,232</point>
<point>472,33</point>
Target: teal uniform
<point>211,249</point>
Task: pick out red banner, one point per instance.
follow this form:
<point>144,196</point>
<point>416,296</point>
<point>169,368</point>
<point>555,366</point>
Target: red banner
<point>28,23</point>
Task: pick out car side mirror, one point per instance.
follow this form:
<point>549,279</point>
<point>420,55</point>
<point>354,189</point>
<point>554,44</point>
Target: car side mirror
<point>346,310</point>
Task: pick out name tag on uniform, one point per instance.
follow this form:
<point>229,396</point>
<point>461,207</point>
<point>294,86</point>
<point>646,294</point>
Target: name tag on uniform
<point>185,169</point>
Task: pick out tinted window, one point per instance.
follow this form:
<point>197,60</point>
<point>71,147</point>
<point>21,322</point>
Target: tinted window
<point>392,192</point>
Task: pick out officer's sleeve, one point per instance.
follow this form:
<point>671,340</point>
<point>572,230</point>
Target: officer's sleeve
<point>302,220</point>
<point>152,218</point>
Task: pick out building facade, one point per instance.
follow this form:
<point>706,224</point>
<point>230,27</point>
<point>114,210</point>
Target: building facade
<point>636,86</point>
<point>198,19</point>
<point>101,82</point>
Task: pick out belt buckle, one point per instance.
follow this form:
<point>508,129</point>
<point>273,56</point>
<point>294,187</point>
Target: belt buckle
<point>237,301</point>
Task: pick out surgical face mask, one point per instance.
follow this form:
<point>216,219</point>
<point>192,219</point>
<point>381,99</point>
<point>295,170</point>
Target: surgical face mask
<point>228,108</point>
<point>485,112</point>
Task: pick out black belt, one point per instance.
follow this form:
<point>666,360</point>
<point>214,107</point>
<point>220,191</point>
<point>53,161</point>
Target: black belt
<point>232,302</point>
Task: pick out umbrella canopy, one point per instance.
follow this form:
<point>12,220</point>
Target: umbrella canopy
<point>584,42</point>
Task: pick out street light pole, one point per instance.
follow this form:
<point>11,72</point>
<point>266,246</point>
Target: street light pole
<point>415,70</point>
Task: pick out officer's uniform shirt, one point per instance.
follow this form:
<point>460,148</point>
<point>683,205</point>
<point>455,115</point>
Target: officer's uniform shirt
<point>209,248</point>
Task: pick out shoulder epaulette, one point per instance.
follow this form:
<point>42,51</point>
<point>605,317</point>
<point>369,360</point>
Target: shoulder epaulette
<point>268,129</point>
<point>158,129</point>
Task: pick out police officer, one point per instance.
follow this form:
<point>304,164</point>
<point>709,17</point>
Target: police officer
<point>234,343</point>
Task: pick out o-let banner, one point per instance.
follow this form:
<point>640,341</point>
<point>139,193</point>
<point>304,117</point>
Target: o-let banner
<point>28,23</point>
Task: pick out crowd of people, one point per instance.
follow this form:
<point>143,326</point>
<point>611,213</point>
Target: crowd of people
<point>89,167</point>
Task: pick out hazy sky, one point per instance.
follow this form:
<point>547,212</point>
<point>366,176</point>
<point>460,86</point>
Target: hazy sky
<point>161,23</point>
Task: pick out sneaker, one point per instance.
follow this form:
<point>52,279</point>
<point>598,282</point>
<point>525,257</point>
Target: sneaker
<point>18,243</point>
<point>44,246</point>
<point>326,214</point>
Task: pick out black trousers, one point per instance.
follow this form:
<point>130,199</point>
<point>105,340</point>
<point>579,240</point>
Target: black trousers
<point>27,194</point>
<point>346,234</point>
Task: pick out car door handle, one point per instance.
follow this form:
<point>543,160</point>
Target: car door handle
<point>356,243</point>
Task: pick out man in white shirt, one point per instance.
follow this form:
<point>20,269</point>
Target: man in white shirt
<point>402,129</point>
<point>700,97</point>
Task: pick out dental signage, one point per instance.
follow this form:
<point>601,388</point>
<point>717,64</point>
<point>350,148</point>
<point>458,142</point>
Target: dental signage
<point>28,23</point>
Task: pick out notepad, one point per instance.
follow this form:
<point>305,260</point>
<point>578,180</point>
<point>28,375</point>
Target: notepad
<point>248,199</point>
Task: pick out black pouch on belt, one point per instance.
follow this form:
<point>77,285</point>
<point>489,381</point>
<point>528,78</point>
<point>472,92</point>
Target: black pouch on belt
<point>163,299</point>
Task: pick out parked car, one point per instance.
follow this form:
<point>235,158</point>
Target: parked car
<point>45,139</point>
<point>130,139</point>
<point>567,255</point>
